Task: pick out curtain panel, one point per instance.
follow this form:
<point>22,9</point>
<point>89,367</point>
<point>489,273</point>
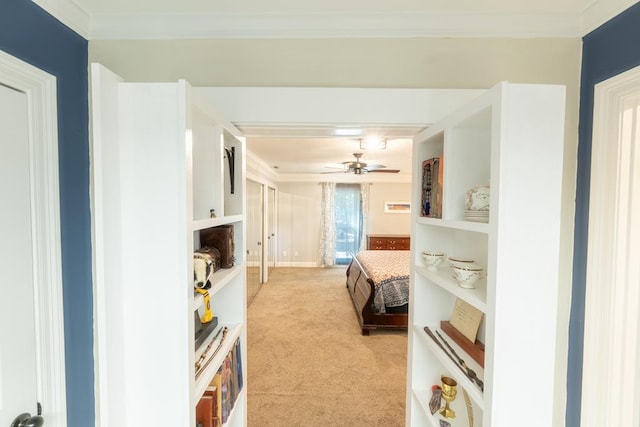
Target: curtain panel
<point>328,225</point>
<point>365,190</point>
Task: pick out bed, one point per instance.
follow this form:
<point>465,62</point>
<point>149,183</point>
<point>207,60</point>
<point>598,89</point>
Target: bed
<point>378,283</point>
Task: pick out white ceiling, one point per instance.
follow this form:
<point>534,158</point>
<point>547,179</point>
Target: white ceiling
<point>293,155</point>
<point>175,19</point>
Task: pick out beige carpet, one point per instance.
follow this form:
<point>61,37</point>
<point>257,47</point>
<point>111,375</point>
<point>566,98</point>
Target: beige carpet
<point>308,364</point>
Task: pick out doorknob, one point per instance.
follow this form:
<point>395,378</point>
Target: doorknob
<point>26,420</point>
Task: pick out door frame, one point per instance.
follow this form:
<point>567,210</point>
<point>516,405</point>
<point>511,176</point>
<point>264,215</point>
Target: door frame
<point>610,384</point>
<point>40,90</point>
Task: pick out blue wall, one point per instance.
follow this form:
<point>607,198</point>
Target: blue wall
<point>31,34</point>
<point>607,51</point>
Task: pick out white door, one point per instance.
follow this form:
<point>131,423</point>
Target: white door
<point>32,356</point>
<point>17,320</point>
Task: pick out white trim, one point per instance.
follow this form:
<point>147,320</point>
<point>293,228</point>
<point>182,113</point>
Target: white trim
<point>611,371</point>
<point>258,170</point>
<point>279,107</point>
<point>40,89</point>
<point>600,11</point>
<point>334,25</point>
<point>69,13</point>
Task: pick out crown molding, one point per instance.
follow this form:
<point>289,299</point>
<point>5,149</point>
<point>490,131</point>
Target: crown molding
<point>258,169</point>
<point>334,25</point>
<point>68,13</point>
<point>598,12</point>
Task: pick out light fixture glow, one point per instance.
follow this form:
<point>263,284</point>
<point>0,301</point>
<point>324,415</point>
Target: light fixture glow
<point>373,144</point>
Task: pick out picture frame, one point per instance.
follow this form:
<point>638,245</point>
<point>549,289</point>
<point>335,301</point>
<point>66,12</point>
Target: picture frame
<point>397,207</point>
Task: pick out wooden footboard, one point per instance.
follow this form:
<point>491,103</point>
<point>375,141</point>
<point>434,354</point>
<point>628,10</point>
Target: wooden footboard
<point>361,289</point>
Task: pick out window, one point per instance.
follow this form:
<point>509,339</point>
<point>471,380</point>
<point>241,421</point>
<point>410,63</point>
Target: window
<point>348,221</point>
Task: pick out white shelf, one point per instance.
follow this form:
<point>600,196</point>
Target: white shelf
<point>476,297</point>
<point>180,142</point>
<point>478,227</point>
<point>454,371</point>
<point>501,137</point>
<point>422,396</point>
<point>203,380</point>
<point>202,224</point>
<point>220,279</point>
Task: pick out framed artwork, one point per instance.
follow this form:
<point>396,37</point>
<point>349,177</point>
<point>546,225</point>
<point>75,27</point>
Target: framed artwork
<point>397,207</point>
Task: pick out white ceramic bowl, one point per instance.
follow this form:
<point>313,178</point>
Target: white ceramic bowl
<point>432,259</point>
<point>459,261</point>
<point>467,274</point>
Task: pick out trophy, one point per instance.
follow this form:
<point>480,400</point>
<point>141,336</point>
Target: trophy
<point>449,391</point>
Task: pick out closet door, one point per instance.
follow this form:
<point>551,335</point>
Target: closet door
<point>271,231</point>
<point>255,208</point>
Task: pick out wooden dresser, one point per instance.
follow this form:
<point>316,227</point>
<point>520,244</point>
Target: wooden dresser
<point>389,242</point>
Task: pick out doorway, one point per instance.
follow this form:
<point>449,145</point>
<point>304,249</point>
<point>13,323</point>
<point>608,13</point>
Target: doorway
<point>32,362</point>
<point>17,338</point>
<point>611,368</point>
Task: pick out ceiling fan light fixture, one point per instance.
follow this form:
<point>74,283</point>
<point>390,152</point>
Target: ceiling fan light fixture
<point>373,144</point>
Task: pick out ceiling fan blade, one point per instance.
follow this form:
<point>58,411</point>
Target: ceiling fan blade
<point>374,167</point>
<point>385,170</point>
<point>342,171</point>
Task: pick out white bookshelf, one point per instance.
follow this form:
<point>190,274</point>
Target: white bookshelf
<point>158,167</point>
<point>512,137</point>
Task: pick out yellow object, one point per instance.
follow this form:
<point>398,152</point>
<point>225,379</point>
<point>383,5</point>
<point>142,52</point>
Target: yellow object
<point>208,315</point>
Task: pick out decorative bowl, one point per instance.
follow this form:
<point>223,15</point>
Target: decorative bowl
<point>432,259</point>
<point>459,260</point>
<point>467,274</point>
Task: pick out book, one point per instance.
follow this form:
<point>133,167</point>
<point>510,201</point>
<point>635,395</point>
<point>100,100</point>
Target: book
<point>204,411</point>
<point>239,365</point>
<point>217,383</point>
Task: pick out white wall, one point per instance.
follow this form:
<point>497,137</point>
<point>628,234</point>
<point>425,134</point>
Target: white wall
<point>388,223</point>
<point>298,224</point>
<point>299,207</point>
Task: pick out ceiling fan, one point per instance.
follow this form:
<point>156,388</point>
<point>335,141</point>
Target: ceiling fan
<point>357,167</point>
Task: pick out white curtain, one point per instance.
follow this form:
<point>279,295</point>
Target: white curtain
<point>328,225</point>
<point>365,189</point>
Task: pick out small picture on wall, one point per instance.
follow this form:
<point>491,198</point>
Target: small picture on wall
<point>397,207</point>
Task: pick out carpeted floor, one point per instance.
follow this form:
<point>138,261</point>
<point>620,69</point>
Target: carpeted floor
<point>308,364</point>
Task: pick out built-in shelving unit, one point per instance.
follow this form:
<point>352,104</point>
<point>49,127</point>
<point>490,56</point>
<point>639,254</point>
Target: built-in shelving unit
<point>160,164</point>
<point>510,137</point>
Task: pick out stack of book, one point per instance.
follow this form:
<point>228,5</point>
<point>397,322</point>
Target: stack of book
<point>231,380</point>
<point>215,406</point>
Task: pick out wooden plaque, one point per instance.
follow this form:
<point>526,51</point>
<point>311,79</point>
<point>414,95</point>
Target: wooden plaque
<point>473,349</point>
